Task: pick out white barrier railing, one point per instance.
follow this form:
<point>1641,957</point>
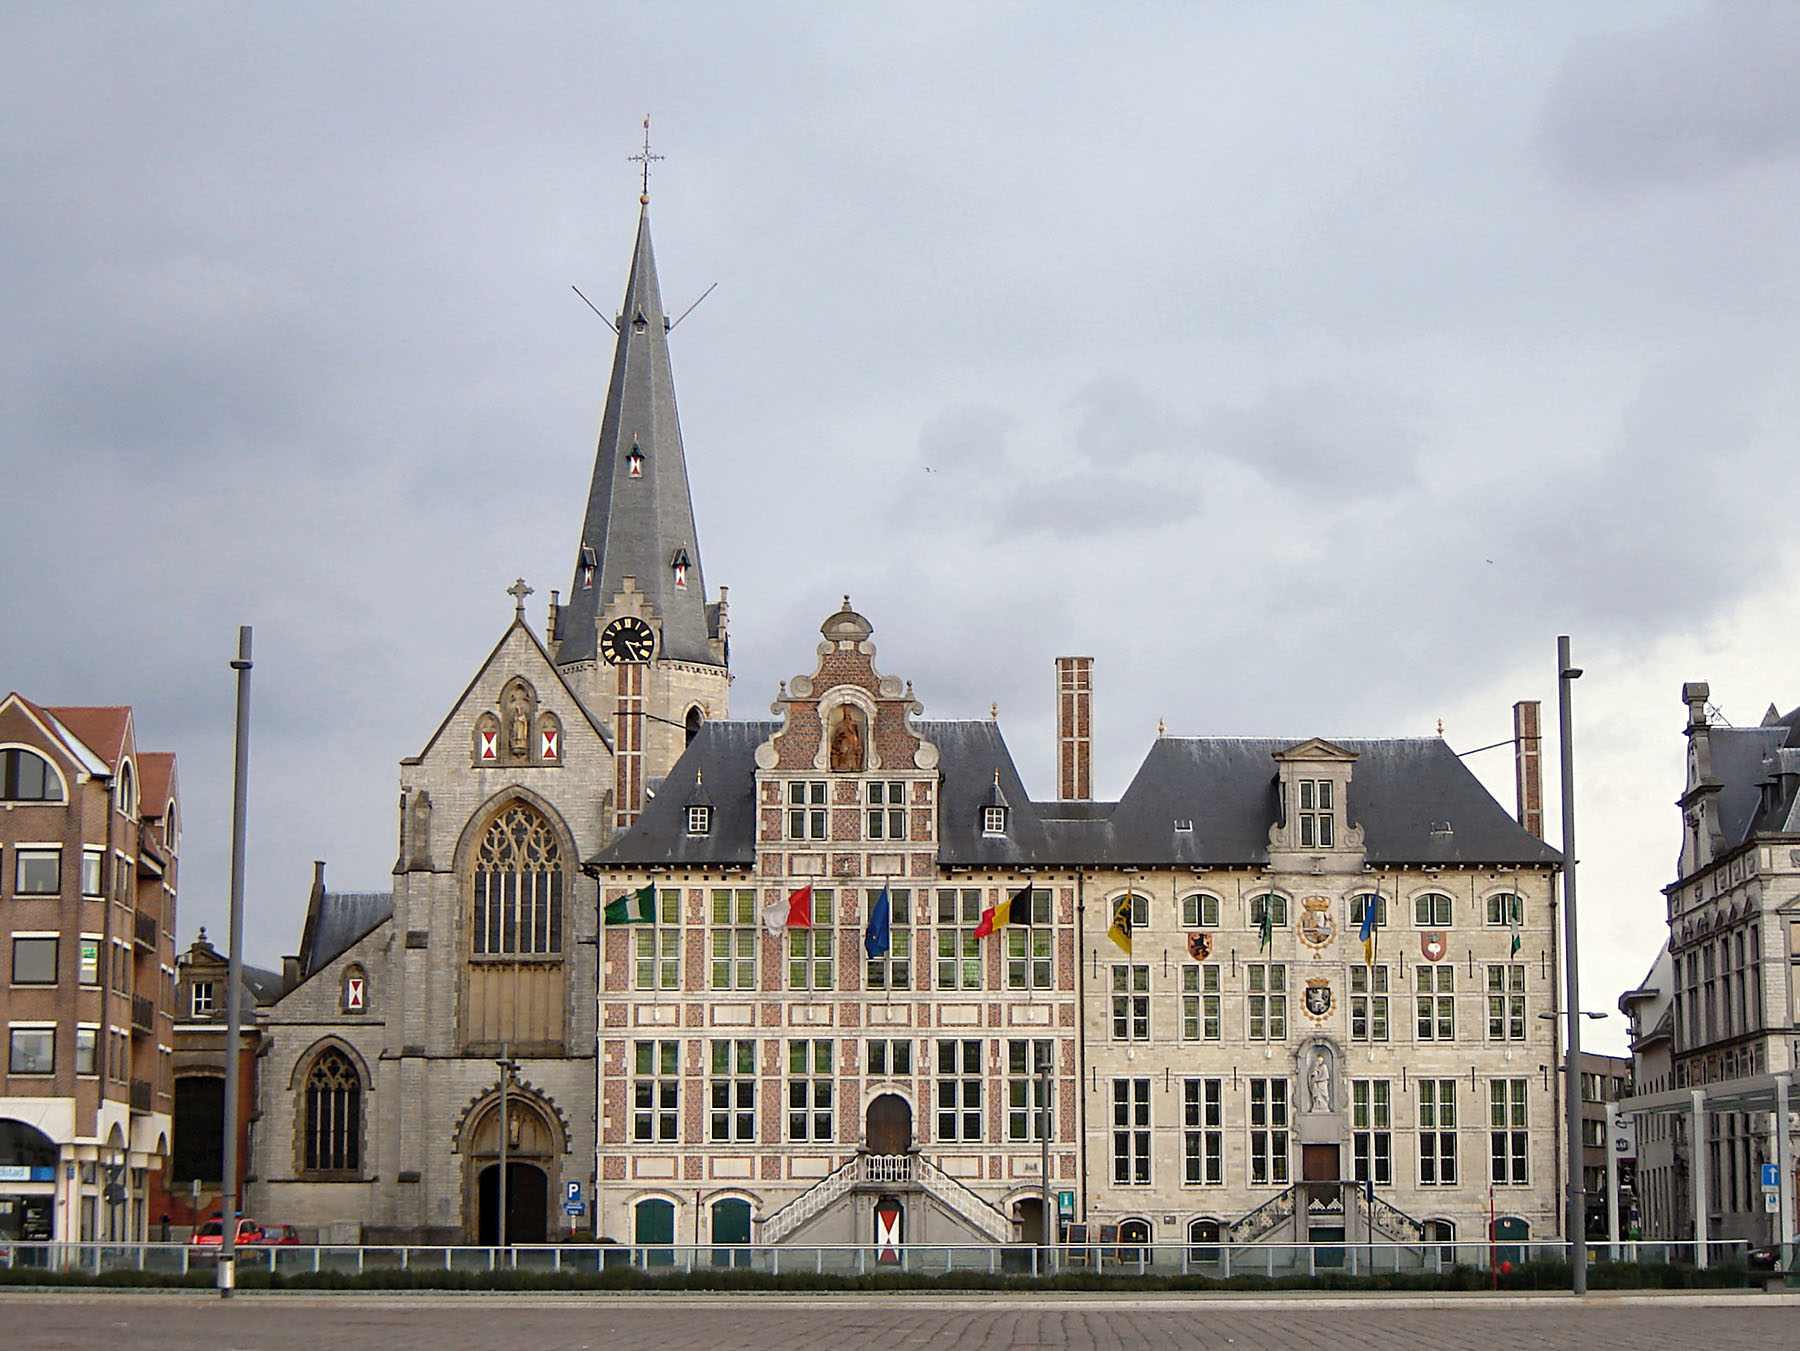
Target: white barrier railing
<point>1218,1260</point>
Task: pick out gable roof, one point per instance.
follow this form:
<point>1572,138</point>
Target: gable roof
<point>493,656</point>
<point>103,730</point>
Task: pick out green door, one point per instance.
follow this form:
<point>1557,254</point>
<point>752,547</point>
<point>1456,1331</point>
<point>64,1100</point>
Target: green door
<point>1510,1227</point>
<point>731,1225</point>
<point>655,1225</point>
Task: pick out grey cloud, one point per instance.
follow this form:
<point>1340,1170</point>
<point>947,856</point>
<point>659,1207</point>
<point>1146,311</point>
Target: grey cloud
<point>1695,98</point>
<point>1315,435</point>
<point>1117,421</point>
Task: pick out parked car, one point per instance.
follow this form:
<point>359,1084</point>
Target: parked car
<point>1765,1259</point>
<point>211,1234</point>
<point>275,1235</point>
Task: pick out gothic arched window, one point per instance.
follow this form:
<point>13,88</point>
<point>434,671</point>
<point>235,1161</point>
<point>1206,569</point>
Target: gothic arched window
<point>518,887</point>
<point>331,1129</point>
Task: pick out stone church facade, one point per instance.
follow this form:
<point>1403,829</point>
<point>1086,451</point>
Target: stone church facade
<point>1182,1022</point>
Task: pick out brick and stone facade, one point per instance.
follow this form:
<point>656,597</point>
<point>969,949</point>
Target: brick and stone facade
<point>89,854</point>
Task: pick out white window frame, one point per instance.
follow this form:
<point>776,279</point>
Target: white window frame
<point>1202,1003</point>
<point>734,949</point>
<point>808,812</point>
<point>656,1092</point>
<point>1203,1132</point>
<point>1131,1124</point>
<point>960,1072</point>
<point>731,1091</point>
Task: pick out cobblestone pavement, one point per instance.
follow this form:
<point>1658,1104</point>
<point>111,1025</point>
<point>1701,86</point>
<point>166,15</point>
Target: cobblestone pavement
<point>141,1321</point>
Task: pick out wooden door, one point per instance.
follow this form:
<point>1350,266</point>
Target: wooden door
<point>1318,1163</point>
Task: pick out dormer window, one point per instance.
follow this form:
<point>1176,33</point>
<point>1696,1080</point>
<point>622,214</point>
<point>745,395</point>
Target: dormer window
<point>681,563</point>
<point>634,463</point>
<point>993,820</point>
<point>1316,817</point>
<point>588,564</point>
<point>699,820</point>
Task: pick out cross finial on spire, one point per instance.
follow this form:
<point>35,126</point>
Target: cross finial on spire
<point>645,158</point>
<point>518,591</point>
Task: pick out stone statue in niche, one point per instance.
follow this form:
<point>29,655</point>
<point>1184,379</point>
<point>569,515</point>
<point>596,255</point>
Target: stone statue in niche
<point>846,741</point>
<point>518,723</point>
<point>1318,1083</point>
<point>514,1126</point>
<point>420,813</point>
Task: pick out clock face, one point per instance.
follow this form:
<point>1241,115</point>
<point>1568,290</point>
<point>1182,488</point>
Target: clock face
<point>627,640</point>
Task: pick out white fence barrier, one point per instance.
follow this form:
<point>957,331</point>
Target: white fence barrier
<point>1219,1261</point>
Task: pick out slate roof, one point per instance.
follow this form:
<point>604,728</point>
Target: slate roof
<point>1415,800</point>
<point>335,920</point>
<point>1744,760</point>
<point>637,526</point>
<point>717,768</point>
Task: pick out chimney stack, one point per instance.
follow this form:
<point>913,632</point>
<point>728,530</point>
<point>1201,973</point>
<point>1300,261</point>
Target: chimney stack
<point>1074,729</point>
<point>1528,771</point>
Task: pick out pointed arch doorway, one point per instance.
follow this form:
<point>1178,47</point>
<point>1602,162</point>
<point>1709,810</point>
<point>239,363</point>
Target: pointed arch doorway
<point>527,1204</point>
<point>531,1151</point>
<point>887,1125</point>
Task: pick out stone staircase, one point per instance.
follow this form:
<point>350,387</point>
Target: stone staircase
<point>909,1171</point>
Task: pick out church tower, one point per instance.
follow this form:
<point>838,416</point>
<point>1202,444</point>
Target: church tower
<point>637,635</point>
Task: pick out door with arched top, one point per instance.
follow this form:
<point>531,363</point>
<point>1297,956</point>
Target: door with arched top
<point>887,1126</point>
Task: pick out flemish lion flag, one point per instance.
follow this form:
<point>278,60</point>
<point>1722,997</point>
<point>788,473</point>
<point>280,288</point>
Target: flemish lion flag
<point>1120,929</point>
<point>1014,910</point>
<point>632,907</point>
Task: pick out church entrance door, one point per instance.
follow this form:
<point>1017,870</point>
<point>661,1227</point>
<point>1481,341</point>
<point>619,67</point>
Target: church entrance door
<point>527,1204</point>
<point>888,1125</point>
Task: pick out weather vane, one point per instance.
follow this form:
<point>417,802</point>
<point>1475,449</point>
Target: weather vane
<point>645,158</point>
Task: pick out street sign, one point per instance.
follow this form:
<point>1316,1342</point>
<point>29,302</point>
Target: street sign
<point>1771,1177</point>
<point>1065,1203</point>
<point>574,1209</point>
<point>1624,1138</point>
<point>1772,1202</point>
<point>573,1196</point>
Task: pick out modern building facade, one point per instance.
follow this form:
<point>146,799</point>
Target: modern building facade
<point>89,846</point>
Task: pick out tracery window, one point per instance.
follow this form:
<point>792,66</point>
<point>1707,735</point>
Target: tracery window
<point>331,1130</point>
<point>518,887</point>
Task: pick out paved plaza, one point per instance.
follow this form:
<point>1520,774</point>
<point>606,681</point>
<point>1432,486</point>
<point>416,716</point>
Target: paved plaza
<point>251,1322</point>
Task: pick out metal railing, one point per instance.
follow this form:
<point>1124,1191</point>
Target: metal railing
<point>1221,1260</point>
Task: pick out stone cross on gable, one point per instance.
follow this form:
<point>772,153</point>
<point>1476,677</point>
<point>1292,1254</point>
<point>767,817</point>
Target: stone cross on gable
<point>645,158</point>
<point>518,591</point>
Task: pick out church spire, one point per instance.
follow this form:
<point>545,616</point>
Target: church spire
<point>640,517</point>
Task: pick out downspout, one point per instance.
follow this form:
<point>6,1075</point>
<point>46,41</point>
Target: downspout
<point>1081,1096</point>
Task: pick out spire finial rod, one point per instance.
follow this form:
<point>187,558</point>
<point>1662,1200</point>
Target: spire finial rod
<point>645,158</point>
<point>518,591</point>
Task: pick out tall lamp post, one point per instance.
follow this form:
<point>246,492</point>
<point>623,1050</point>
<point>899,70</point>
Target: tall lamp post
<point>1566,675</point>
<point>230,1203</point>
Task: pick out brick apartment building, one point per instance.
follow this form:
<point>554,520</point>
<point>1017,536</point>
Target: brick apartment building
<point>89,841</point>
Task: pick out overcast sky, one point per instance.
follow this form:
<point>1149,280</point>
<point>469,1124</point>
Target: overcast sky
<point>1311,366</point>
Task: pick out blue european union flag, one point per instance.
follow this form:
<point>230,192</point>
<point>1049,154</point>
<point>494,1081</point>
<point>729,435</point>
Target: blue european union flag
<point>877,939</point>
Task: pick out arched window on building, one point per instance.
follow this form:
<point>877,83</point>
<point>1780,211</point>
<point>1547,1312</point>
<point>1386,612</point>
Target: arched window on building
<point>518,887</point>
<point>331,1117</point>
<point>25,776</point>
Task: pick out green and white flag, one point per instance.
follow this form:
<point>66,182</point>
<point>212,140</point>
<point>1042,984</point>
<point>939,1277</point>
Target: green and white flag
<point>1514,904</point>
<point>632,907</point>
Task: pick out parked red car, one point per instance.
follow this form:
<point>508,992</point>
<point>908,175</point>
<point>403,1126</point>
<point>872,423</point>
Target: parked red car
<point>211,1234</point>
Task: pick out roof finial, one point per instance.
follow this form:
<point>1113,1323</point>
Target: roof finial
<point>518,591</point>
<point>994,715</point>
<point>645,158</point>
<point>1162,728</point>
<point>1440,727</point>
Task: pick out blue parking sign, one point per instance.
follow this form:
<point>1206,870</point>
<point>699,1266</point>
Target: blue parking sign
<point>574,1196</point>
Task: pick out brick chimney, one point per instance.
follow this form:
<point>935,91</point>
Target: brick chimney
<point>1528,769</point>
<point>1074,729</point>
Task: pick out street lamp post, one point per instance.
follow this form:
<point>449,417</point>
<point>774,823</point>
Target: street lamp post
<point>1566,675</point>
<point>230,1203</point>
<point>507,1066</point>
